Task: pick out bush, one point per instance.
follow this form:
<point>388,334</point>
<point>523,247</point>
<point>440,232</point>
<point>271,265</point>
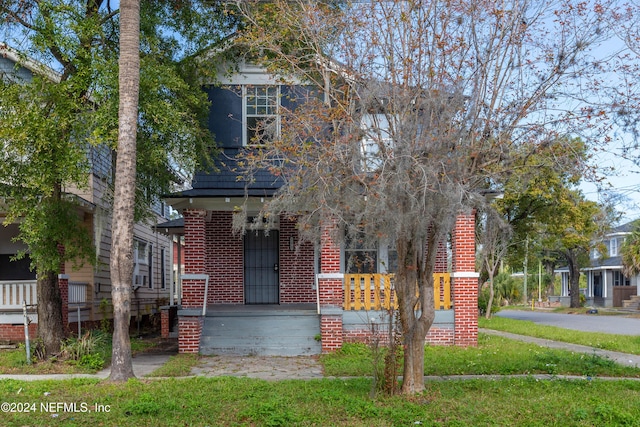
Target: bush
<point>86,349</point>
<point>508,289</point>
<point>483,301</point>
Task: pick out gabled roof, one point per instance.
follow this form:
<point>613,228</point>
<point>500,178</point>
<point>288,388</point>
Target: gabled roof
<point>625,228</point>
<point>30,64</point>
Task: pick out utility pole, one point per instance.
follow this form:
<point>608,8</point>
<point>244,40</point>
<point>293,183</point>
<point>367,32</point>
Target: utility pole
<point>526,255</point>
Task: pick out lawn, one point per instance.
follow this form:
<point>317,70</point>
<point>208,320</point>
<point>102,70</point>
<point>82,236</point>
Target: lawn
<point>230,401</point>
<point>233,401</point>
<point>622,343</point>
<point>493,356</point>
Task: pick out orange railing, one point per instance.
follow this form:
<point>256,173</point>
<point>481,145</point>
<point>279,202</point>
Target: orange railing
<point>375,291</point>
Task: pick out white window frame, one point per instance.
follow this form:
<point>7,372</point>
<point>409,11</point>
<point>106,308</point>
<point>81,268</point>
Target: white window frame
<point>142,253</point>
<point>376,129</point>
<point>613,247</point>
<point>261,108</point>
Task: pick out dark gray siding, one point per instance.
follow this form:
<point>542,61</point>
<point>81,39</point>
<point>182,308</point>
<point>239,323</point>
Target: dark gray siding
<point>225,115</point>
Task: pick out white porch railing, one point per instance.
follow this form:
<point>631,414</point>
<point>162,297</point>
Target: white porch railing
<point>14,292</point>
<point>77,292</point>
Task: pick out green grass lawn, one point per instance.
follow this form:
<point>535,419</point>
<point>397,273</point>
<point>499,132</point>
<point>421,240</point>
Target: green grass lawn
<point>623,343</point>
<point>230,401</point>
<point>493,356</point>
<point>233,401</point>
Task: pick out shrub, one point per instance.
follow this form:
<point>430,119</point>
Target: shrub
<point>88,344</point>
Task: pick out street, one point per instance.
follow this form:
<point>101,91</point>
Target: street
<point>580,322</point>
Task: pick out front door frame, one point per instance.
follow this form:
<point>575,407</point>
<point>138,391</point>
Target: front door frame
<point>262,267</point>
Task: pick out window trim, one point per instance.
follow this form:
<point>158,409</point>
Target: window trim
<point>245,115</point>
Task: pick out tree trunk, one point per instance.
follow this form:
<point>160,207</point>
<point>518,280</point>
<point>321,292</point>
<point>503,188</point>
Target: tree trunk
<point>574,279</point>
<point>125,188</point>
<point>50,327</point>
<point>412,273</point>
<point>550,270</point>
<point>487,315</point>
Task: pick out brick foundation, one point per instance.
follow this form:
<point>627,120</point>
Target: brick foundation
<point>189,333</point>
<point>15,333</point>
<point>331,327</point>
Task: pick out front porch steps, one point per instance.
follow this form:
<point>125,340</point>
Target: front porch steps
<point>261,330</point>
<point>633,303</point>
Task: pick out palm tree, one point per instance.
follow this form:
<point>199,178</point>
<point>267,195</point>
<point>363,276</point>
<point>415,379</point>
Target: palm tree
<point>630,251</point>
<point>125,187</point>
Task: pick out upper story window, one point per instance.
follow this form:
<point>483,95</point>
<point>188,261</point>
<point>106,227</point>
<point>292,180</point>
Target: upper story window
<point>613,247</point>
<point>261,106</point>
<point>376,141</point>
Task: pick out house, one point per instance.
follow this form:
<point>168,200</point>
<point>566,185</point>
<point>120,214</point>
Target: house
<point>266,292</point>
<point>86,292</point>
<point>607,286</point>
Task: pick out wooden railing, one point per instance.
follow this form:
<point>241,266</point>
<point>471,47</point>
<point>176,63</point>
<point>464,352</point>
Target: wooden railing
<point>14,292</point>
<point>375,291</point>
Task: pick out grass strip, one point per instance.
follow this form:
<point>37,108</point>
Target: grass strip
<point>230,401</point>
<point>622,343</point>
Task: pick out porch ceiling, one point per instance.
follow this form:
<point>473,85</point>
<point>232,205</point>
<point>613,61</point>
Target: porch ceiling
<point>228,203</point>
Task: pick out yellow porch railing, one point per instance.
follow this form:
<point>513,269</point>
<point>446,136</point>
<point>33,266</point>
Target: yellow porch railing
<point>375,291</point>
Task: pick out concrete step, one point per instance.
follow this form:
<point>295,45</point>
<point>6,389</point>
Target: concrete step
<point>260,333</point>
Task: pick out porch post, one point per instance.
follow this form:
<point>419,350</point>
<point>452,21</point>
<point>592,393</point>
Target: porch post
<point>465,281</point>
<point>330,291</point>
<point>190,318</point>
<point>63,286</point>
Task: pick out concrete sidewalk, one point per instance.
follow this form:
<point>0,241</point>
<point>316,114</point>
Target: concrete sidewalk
<point>308,367</point>
<point>143,365</point>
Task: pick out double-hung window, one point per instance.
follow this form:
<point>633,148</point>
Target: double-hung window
<point>613,247</point>
<point>261,105</point>
<point>376,142</point>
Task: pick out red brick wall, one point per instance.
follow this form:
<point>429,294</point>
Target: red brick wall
<point>194,249</point>
<point>297,274</point>
<point>436,336</point>
<point>190,330</point>
<point>15,333</point>
<point>464,243</point>
<point>465,282</point>
<point>441,258</point>
<point>63,284</point>
<point>331,293</point>
<point>164,322</point>
<point>440,336</point>
<point>224,259</point>
<point>331,330</point>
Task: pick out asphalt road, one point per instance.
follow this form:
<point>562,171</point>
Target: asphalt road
<point>580,322</point>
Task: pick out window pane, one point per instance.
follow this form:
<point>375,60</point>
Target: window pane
<point>261,130</point>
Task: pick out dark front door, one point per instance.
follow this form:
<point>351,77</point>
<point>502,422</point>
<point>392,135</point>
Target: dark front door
<point>597,286</point>
<point>261,268</point>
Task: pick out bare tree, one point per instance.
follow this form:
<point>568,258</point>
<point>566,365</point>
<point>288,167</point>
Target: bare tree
<point>125,189</point>
<point>419,106</point>
<point>494,240</point>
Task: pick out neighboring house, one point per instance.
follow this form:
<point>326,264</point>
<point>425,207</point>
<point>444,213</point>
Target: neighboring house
<point>265,292</point>
<point>86,292</point>
<point>607,286</point>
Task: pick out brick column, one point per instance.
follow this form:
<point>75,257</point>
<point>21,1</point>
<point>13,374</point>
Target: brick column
<point>190,318</point>
<point>465,281</point>
<point>164,322</point>
<point>63,285</point>
<point>330,292</point>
